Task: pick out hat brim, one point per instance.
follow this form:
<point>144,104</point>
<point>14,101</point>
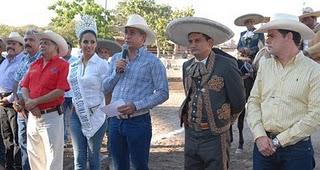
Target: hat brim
<point>58,39</point>
<point>16,39</point>
<point>305,32</point>
<point>311,14</point>
<point>151,36</point>
<point>256,18</point>
<point>178,30</point>
<point>112,46</point>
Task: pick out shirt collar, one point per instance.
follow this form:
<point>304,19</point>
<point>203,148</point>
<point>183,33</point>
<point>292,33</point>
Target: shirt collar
<point>204,61</point>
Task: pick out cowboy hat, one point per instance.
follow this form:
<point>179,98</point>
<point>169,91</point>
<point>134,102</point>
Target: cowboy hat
<point>58,39</point>
<point>136,21</point>
<point>14,36</point>
<point>256,18</point>
<point>178,30</point>
<point>112,46</point>
<point>287,22</point>
<point>308,12</point>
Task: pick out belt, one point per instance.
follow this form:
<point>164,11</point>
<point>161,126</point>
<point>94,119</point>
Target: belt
<point>58,108</point>
<point>135,114</point>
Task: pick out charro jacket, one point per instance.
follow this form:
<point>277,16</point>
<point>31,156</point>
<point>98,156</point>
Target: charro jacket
<point>216,98</point>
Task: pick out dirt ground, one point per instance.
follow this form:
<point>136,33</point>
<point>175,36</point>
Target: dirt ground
<point>168,139</point>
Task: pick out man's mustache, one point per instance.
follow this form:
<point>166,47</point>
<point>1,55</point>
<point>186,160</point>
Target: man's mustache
<point>27,45</point>
<point>9,48</point>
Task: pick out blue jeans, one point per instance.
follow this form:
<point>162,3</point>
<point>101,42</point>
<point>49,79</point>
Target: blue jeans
<point>82,147</point>
<point>67,109</point>
<point>22,132</point>
<point>130,139</point>
<point>294,157</point>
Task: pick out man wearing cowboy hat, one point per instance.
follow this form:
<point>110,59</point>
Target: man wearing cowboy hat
<point>107,48</point>
<point>2,48</point>
<point>249,42</point>
<point>43,88</point>
<point>248,46</point>
<point>283,107</point>
<point>139,79</point>
<point>311,47</point>
<point>32,53</point>
<point>214,92</point>
<point>8,115</point>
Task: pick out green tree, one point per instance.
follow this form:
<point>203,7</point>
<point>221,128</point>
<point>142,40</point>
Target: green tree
<point>5,30</point>
<point>66,10</point>
<point>156,15</point>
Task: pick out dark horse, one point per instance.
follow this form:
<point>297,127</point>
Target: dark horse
<point>247,74</point>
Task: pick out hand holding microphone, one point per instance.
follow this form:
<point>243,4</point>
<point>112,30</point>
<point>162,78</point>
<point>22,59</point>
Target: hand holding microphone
<point>122,63</point>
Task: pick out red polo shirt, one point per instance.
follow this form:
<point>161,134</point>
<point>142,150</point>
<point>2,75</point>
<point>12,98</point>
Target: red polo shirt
<point>42,80</point>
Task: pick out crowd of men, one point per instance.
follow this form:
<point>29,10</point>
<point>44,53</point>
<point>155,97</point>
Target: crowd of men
<point>45,92</point>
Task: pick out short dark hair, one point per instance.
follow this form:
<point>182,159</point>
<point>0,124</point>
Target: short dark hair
<point>205,36</point>
<point>296,36</point>
<point>87,31</point>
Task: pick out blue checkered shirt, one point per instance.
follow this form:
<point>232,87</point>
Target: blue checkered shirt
<point>144,81</point>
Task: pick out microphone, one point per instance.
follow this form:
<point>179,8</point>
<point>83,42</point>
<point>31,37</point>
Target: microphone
<point>124,50</point>
<point>124,53</point>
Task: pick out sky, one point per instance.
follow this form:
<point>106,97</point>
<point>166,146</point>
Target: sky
<point>23,12</point>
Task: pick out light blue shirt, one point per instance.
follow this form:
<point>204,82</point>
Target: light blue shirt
<point>7,71</point>
<point>26,61</point>
<point>144,81</point>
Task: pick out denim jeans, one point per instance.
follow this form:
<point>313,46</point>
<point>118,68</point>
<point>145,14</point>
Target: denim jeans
<point>67,110</point>
<point>9,131</point>
<point>294,157</point>
<point>130,141</point>
<point>82,147</point>
<point>22,132</point>
<point>2,150</point>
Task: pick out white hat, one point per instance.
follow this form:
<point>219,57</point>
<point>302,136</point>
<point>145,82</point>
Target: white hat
<point>58,39</point>
<point>14,36</point>
<point>112,46</point>
<point>136,21</point>
<point>287,22</point>
<point>308,12</point>
<point>84,23</point>
<point>256,18</point>
<point>178,30</point>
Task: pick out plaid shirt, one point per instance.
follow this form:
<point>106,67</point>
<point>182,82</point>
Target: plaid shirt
<point>23,68</point>
<point>144,81</point>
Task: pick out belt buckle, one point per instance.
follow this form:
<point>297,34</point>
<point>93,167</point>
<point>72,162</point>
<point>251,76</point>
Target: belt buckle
<point>204,126</point>
<point>124,116</point>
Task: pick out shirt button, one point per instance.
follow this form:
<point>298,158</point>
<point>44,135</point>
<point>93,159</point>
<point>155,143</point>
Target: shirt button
<point>194,104</point>
<point>196,96</point>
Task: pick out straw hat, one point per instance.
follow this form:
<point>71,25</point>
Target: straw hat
<point>308,12</point>
<point>14,36</point>
<point>112,46</point>
<point>178,30</point>
<point>287,22</point>
<point>256,18</point>
<point>136,21</point>
<point>58,39</point>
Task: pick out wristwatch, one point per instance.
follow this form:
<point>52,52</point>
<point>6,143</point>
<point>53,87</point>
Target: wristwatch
<point>276,143</point>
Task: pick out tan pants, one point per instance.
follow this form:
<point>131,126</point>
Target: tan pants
<point>45,141</point>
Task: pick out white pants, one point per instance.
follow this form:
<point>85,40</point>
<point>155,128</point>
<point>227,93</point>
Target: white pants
<point>45,141</point>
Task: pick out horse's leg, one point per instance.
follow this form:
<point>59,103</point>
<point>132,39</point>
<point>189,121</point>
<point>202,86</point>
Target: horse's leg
<point>231,134</point>
<point>240,128</point>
